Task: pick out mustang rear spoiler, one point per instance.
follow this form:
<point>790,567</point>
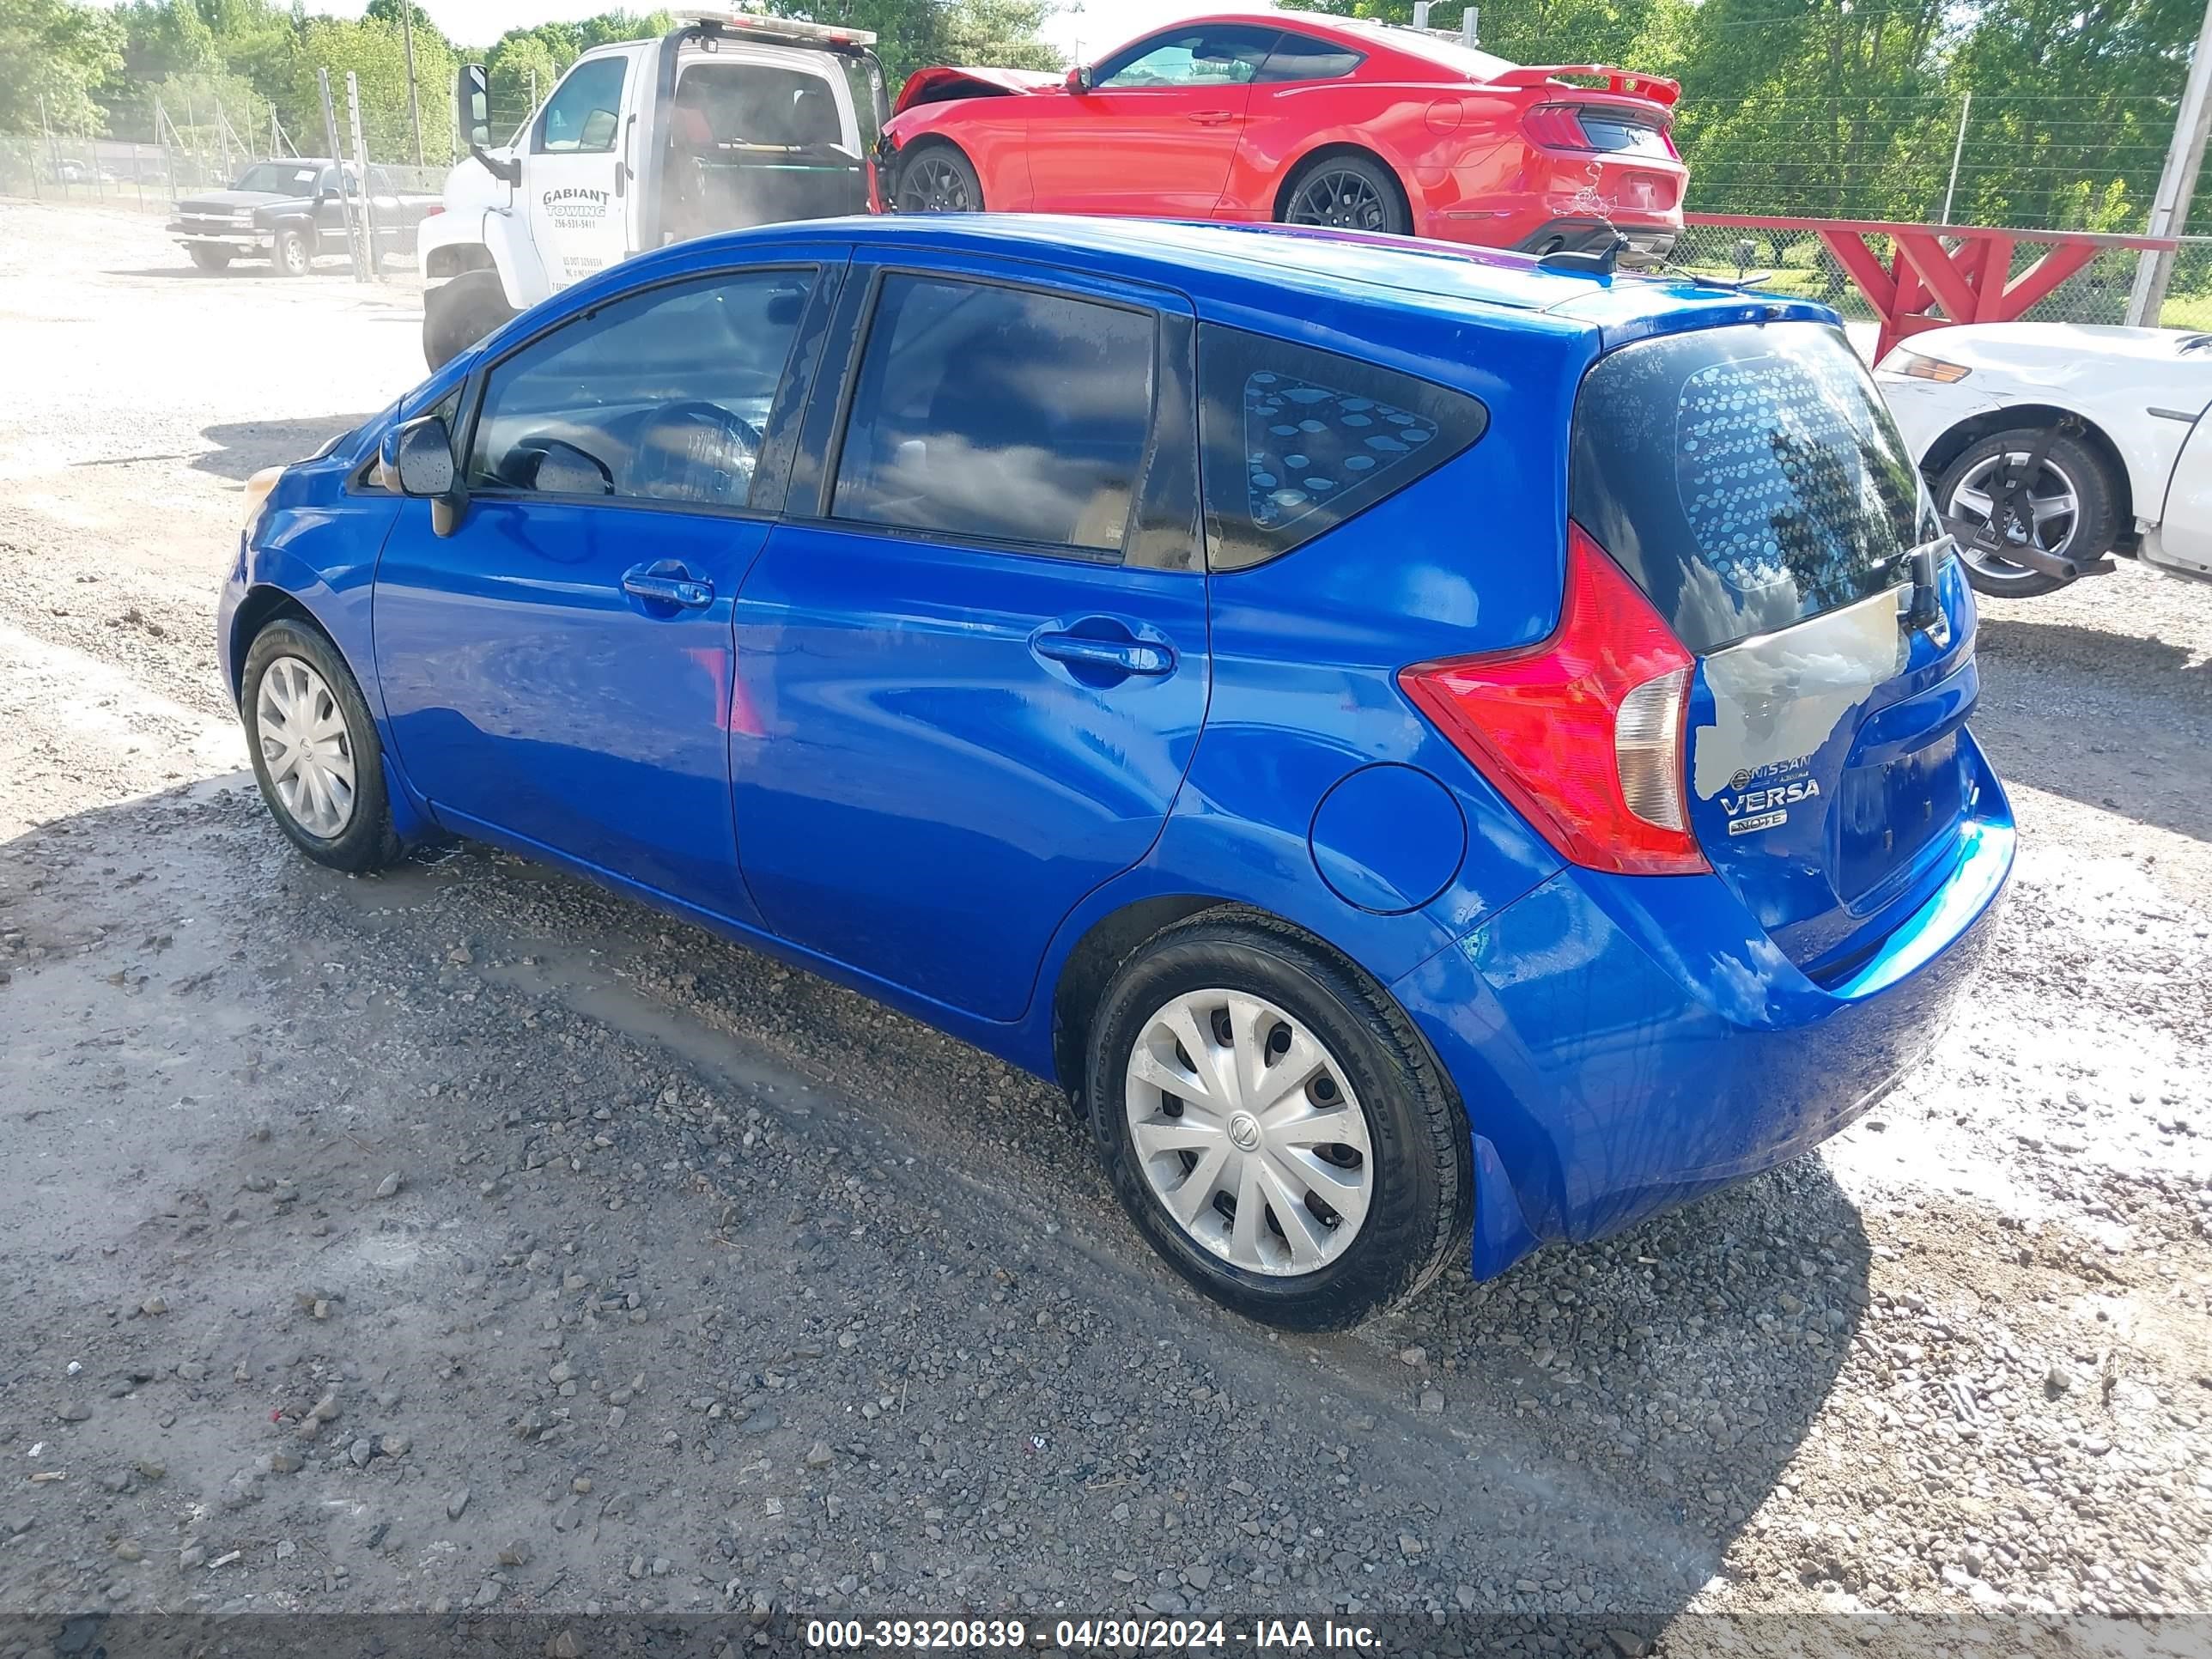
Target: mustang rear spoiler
<point>1657,87</point>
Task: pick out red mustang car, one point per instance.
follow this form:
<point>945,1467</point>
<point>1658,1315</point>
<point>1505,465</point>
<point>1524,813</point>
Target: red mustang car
<point>1304,119</point>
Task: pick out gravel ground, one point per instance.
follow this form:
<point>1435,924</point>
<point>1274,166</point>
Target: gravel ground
<point>465,1238</point>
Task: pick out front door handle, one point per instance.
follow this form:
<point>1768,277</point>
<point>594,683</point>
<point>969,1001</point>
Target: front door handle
<point>667,586</point>
<point>1118,656</point>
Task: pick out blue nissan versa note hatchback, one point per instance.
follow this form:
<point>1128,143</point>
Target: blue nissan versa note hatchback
<point>1434,754</point>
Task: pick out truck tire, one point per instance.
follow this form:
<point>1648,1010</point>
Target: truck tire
<point>209,257</point>
<point>292,254</point>
<point>458,313</point>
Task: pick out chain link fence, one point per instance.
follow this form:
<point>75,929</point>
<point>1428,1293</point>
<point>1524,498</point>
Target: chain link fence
<point>144,176</point>
<point>1796,263</point>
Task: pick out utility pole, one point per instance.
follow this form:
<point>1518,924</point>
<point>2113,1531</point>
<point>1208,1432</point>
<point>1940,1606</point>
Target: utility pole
<point>53,150</point>
<point>367,257</point>
<point>2169,211</point>
<point>338,160</point>
<point>414,104</point>
<point>1965,108</point>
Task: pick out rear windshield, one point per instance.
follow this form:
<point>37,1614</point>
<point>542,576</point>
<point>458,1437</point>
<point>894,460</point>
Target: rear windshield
<point>1747,477</point>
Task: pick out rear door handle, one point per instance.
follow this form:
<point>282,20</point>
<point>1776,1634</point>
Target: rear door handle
<point>1122,656</point>
<point>666,587</point>
<point>1212,118</point>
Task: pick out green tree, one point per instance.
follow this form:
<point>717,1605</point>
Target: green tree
<point>371,48</point>
<point>1001,33</point>
<point>54,58</point>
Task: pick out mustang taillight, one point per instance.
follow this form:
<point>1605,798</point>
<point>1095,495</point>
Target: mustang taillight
<point>1556,126</point>
<point>1582,732</point>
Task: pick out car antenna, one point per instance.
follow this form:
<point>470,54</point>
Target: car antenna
<point>1588,262</point>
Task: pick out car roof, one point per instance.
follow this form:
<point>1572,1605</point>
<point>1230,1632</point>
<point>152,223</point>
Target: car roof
<point>1274,268</point>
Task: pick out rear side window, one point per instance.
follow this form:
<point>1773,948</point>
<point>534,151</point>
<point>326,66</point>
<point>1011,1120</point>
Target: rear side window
<point>999,413</point>
<point>1295,440</point>
<point>1301,58</point>
<point>1747,477</point>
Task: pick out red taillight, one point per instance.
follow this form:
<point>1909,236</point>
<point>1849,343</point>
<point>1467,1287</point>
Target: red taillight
<point>1583,732</point>
<point>434,210</point>
<point>1556,126</point>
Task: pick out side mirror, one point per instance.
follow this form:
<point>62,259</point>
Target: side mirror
<point>419,457</point>
<point>472,105</point>
<point>1078,79</point>
<point>472,120</point>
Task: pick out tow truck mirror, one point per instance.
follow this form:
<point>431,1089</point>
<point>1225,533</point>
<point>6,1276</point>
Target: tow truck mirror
<point>1078,79</point>
<point>472,103</point>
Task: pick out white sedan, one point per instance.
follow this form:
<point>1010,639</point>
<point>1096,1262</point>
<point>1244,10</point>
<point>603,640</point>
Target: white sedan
<point>2077,442</point>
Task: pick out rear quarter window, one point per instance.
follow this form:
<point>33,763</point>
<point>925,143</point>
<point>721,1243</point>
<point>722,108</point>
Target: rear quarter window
<point>1747,477</point>
<point>1294,440</point>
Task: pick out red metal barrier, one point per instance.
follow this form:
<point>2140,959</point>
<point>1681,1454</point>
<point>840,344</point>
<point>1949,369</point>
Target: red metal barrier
<point>1971,280</point>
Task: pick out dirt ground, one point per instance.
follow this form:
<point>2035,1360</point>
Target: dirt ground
<point>465,1238</point>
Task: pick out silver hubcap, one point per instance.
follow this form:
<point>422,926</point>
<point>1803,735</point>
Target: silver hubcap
<point>306,747</point>
<point>2054,510</point>
<point>1247,1132</point>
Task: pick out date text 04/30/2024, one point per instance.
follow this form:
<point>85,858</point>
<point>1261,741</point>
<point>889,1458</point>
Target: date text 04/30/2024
<point>1078,1635</point>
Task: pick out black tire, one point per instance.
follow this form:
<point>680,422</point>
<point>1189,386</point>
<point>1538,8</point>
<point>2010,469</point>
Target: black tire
<point>291,254</point>
<point>1420,1160</point>
<point>458,313</point>
<point>367,842</point>
<point>1347,192</point>
<point>2070,463</point>
<point>209,257</point>
<point>936,178</point>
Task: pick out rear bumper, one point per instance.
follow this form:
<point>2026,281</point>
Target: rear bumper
<point>1647,244</point>
<point>1626,1043</point>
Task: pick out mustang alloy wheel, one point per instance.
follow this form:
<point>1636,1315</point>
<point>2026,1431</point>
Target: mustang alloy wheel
<point>937,179</point>
<point>1347,193</point>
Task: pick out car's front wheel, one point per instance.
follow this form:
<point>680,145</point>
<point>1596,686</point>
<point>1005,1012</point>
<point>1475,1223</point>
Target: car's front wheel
<point>210,257</point>
<point>291,254</point>
<point>2069,509</point>
<point>937,179</point>
<point>315,751</point>
<point>1275,1126</point>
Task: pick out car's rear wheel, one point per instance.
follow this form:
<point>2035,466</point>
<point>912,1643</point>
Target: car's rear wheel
<point>315,751</point>
<point>458,313</point>
<point>1275,1126</point>
<point>209,257</point>
<point>291,254</point>
<point>937,179</point>
<point>2070,507</point>
<point>1347,192</point>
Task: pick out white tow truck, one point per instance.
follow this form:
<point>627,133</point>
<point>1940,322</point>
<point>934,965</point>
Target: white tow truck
<point>730,119</point>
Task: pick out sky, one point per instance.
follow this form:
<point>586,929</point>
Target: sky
<point>1087,26</point>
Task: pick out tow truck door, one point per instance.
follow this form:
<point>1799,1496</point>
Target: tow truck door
<point>580,165</point>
